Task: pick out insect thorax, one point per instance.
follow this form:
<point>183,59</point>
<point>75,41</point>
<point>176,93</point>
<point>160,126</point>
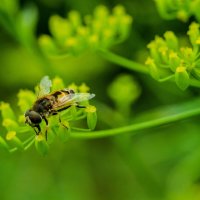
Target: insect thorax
<point>43,105</point>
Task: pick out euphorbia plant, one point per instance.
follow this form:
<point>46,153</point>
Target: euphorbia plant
<point>168,60</point>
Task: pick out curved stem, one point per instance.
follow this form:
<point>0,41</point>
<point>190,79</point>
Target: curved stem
<point>129,64</point>
<point>132,65</point>
<point>187,112</point>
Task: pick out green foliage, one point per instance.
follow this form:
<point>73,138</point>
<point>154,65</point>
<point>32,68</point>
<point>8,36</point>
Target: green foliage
<point>168,58</point>
<point>91,117</point>
<point>153,145</point>
<point>182,10</point>
<point>20,23</point>
<point>41,145</point>
<point>75,34</point>
<point>124,91</point>
<point>17,130</point>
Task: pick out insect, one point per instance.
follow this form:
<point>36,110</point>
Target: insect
<point>49,104</point>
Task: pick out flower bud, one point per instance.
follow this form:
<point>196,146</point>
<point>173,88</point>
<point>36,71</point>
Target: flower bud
<point>91,117</point>
<point>73,86</point>
<point>83,88</point>
<point>11,136</point>
<point>64,132</point>
<point>125,25</point>
<point>112,22</point>
<point>193,33</point>
<point>71,43</point>
<point>174,61</point>
<point>119,10</point>
<point>108,37</point>
<point>101,12</point>
<point>124,91</point>
<point>25,99</point>
<point>6,111</point>
<point>41,145</point>
<point>60,28</point>
<point>10,124</point>
<point>164,54</point>
<point>171,40</point>
<point>152,46</point>
<point>57,84</point>
<point>47,44</point>
<point>82,31</point>
<point>153,70</point>
<point>183,15</point>
<point>182,78</point>
<point>93,41</point>
<point>74,18</point>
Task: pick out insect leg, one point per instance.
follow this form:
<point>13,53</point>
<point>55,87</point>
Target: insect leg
<point>37,131</point>
<point>47,123</point>
<point>65,108</point>
<point>61,122</point>
<point>80,106</point>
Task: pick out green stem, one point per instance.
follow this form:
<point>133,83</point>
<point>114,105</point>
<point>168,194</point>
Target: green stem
<point>182,114</point>
<point>195,83</point>
<point>132,65</point>
<point>30,143</point>
<point>13,150</point>
<point>80,129</point>
<point>129,64</point>
<point>168,78</point>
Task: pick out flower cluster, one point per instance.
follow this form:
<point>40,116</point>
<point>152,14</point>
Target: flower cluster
<point>19,136</point>
<point>182,10</point>
<point>169,59</point>
<point>124,91</point>
<point>74,34</point>
<point>19,22</point>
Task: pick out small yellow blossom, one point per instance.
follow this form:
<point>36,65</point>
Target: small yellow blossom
<point>73,86</point>
<point>84,88</point>
<point>90,109</point>
<point>149,61</point>
<point>10,135</point>
<point>180,69</point>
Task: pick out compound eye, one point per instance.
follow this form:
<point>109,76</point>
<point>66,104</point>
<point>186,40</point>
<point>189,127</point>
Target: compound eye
<point>34,117</point>
<point>71,91</point>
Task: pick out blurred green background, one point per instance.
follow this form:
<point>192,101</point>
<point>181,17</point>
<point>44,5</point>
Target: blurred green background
<point>156,164</point>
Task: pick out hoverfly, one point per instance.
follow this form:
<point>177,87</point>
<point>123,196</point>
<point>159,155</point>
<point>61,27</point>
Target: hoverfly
<point>48,104</point>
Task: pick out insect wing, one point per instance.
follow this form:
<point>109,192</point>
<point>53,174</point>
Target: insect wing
<point>79,97</point>
<point>44,87</point>
<point>72,99</point>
